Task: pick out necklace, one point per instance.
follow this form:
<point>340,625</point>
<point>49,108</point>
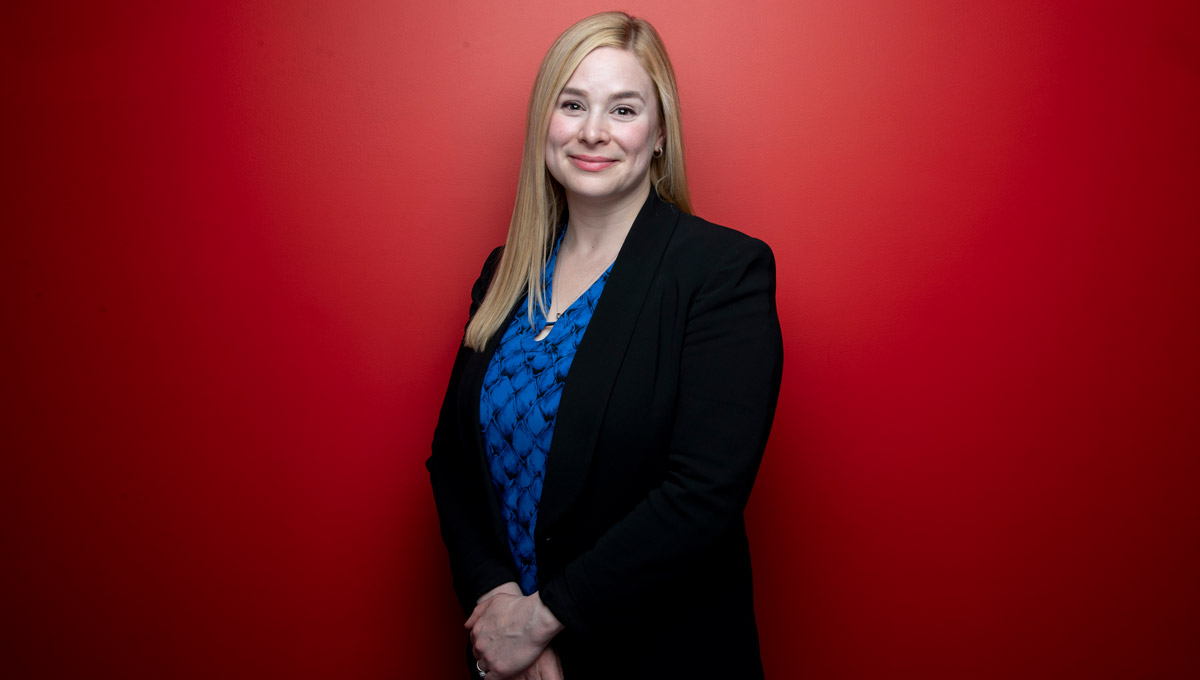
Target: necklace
<point>577,293</point>
<point>554,297</point>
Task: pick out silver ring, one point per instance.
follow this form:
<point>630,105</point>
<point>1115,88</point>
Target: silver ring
<point>482,673</point>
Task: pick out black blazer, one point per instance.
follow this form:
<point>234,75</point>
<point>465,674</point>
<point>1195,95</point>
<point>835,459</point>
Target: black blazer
<point>641,549</point>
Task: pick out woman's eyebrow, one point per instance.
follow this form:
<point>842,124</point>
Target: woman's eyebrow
<point>628,94</point>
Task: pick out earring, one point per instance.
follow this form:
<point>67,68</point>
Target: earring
<point>658,152</point>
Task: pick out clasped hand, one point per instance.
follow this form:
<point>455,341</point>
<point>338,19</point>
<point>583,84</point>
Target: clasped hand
<point>510,633</point>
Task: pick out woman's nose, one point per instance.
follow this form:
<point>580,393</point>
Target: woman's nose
<point>594,129</point>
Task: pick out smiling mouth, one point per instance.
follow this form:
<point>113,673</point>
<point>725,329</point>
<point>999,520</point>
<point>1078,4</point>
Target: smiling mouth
<point>592,163</point>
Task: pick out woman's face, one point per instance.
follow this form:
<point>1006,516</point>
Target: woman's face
<point>604,128</point>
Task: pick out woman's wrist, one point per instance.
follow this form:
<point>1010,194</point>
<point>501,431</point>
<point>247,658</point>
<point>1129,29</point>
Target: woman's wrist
<point>509,588</point>
<point>544,623</point>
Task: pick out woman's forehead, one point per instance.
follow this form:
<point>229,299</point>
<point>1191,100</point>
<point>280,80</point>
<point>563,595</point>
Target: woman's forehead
<point>609,71</point>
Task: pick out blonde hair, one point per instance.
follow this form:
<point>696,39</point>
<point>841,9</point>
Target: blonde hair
<point>541,204</point>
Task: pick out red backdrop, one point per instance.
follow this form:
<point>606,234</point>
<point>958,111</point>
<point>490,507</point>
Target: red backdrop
<point>238,240</point>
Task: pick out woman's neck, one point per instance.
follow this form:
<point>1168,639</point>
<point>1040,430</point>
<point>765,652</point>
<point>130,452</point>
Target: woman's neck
<point>599,229</point>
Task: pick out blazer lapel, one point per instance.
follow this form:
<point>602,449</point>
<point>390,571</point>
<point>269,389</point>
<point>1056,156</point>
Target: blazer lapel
<point>598,359</point>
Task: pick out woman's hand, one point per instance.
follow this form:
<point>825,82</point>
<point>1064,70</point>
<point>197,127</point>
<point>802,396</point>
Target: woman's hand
<point>509,633</point>
<point>547,667</point>
<point>510,588</point>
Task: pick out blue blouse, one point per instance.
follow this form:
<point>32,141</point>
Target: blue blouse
<point>518,407</point>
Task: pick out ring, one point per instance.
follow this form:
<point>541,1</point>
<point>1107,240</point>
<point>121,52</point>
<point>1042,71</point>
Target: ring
<point>482,673</point>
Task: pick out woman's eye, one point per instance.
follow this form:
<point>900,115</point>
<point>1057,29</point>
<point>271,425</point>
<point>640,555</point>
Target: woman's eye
<point>571,106</point>
<point>623,111</point>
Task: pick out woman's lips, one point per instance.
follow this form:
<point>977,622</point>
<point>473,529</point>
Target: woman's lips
<point>592,163</point>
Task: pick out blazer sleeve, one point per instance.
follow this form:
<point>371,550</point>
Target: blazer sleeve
<point>730,372</point>
<point>459,485</point>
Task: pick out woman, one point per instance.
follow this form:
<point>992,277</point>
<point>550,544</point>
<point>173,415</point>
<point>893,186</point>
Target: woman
<point>610,404</point>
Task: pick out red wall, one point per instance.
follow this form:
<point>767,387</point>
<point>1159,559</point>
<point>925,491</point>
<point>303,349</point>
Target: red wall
<point>238,239</point>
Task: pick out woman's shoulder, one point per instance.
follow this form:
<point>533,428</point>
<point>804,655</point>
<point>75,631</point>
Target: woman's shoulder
<point>703,245</point>
<point>485,275</point>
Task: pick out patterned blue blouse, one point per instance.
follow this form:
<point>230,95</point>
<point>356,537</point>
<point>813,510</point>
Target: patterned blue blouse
<point>518,407</point>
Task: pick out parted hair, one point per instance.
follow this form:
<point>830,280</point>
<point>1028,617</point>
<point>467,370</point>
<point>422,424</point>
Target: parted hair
<point>540,204</point>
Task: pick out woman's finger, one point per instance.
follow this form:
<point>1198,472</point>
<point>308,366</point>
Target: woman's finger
<point>552,668</point>
<point>475,614</point>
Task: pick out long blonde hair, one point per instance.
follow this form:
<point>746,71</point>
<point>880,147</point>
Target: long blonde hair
<point>541,204</point>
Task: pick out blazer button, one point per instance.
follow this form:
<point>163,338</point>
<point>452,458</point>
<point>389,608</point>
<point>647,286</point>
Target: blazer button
<point>546,539</point>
